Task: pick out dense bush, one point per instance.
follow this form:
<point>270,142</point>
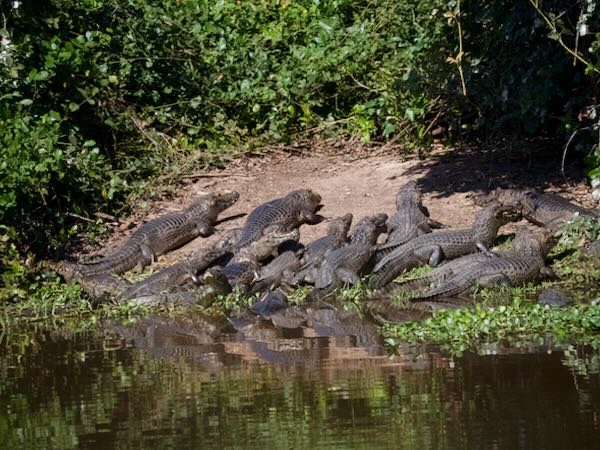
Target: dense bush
<point>98,97</point>
<point>97,94</point>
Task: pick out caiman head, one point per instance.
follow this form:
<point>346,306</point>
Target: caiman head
<point>340,225</point>
<point>211,205</point>
<point>305,203</point>
<point>514,198</point>
<point>496,215</point>
<point>408,195</point>
<point>69,271</point>
<point>305,199</point>
<point>225,200</point>
<point>368,229</point>
<point>229,239</point>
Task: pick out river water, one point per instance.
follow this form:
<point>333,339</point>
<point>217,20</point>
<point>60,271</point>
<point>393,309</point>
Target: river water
<point>192,383</point>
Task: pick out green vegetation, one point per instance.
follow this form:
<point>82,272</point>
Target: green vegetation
<point>517,323</point>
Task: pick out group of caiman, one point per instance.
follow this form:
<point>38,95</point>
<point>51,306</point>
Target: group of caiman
<point>265,258</point>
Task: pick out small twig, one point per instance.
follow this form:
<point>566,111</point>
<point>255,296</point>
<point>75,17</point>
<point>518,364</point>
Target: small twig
<point>437,116</point>
<point>457,60</point>
<point>213,175</point>
<point>564,155</point>
<point>364,86</point>
<point>72,214</point>
<point>460,51</point>
<point>576,49</point>
<point>102,215</point>
<point>139,125</point>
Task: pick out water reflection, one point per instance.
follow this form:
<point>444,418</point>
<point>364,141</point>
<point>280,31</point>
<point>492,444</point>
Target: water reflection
<point>327,383</point>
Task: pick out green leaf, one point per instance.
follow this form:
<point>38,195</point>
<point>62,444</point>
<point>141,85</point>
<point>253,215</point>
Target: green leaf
<point>594,173</point>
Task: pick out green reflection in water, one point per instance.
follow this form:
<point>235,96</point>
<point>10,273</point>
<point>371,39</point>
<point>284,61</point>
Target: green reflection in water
<point>96,391</point>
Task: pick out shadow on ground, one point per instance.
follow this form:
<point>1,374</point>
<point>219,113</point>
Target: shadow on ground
<point>475,170</point>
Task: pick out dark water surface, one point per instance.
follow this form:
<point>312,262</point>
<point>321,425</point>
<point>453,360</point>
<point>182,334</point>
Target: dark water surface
<point>190,383</point>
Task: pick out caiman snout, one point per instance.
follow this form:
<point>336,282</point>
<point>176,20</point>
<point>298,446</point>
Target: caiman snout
<point>227,199</point>
<point>509,213</point>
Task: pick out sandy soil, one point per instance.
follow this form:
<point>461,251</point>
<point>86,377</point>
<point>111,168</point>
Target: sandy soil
<point>450,181</point>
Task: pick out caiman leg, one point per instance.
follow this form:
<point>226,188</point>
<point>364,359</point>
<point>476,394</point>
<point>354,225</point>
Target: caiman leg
<point>554,226</point>
<point>498,279</point>
<point>435,224</point>
<point>432,255</point>
<point>347,276</point>
<point>148,256</point>
<point>486,251</point>
<point>547,272</point>
<point>309,217</point>
<point>422,228</point>
<point>204,229</point>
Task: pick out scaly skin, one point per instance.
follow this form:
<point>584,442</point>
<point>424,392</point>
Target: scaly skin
<point>591,249</point>
<point>213,285</point>
<point>432,248</point>
<point>543,209</point>
<point>277,271</point>
<point>182,274</point>
<point>345,264</point>
<point>285,213</point>
<point>434,278</point>
<point>266,245</point>
<point>316,251</point>
<point>554,296</point>
<point>271,302</point>
<point>411,218</point>
<point>525,262</point>
<point>337,234</point>
<point>244,267</point>
<point>156,238</point>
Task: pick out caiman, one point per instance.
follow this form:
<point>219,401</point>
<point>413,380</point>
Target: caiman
<point>181,275</point>
<point>541,208</point>
<point>239,273</point>
<point>278,271</point>
<point>411,218</point>
<point>554,297</point>
<point>432,248</point>
<point>525,262</point>
<point>269,304</point>
<point>244,267</point>
<point>285,213</point>
<point>156,238</point>
<point>213,284</point>
<point>184,273</point>
<point>345,264</point>
<point>316,251</point>
<point>434,278</point>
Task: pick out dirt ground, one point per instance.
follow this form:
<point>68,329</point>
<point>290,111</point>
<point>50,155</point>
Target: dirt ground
<point>361,184</point>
